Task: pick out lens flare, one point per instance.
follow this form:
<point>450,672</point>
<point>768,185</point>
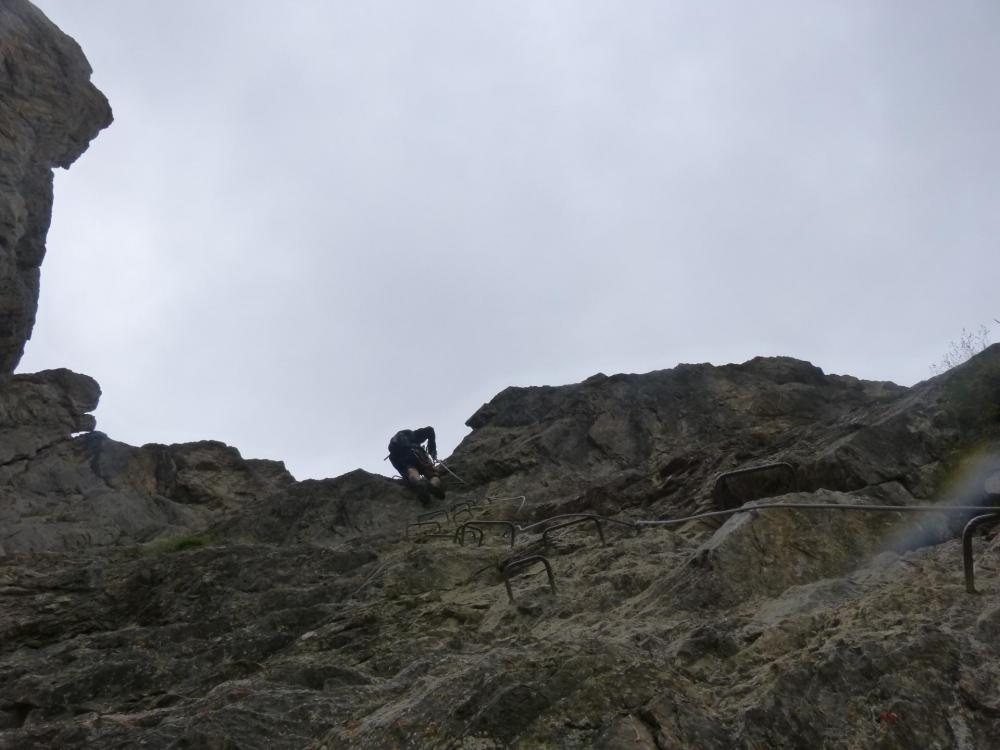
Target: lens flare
<point>974,482</point>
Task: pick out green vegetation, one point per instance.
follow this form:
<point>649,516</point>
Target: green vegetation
<point>170,544</point>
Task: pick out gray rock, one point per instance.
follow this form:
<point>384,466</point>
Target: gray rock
<point>42,409</point>
<point>49,112</point>
<point>161,594</point>
<point>657,442</point>
<point>90,492</point>
<point>169,596</point>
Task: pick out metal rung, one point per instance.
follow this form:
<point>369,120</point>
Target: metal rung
<point>517,565</point>
<point>971,526</point>
<point>460,531</point>
<point>462,508</point>
<point>459,535</point>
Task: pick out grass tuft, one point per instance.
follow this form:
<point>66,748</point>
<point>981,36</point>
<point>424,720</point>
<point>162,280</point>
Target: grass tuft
<point>171,544</point>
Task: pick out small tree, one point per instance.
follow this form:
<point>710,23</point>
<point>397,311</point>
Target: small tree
<point>968,345</point>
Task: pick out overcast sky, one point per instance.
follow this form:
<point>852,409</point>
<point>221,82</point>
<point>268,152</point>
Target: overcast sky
<point>314,223</point>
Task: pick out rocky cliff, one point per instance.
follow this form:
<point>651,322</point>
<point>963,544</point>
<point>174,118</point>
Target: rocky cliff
<point>181,596</point>
<point>49,112</point>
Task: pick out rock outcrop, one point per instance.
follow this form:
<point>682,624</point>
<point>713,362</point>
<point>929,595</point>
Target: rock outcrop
<point>90,491</point>
<point>49,113</point>
<point>181,596</point>
<point>42,409</point>
<point>642,441</point>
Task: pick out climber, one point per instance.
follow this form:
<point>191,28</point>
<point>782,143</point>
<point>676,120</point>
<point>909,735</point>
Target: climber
<point>414,464</point>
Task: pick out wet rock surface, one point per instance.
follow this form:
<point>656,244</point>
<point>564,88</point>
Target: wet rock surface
<point>182,596</point>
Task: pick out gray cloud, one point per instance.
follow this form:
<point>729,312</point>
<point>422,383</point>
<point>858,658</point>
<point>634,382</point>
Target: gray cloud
<point>314,223</point>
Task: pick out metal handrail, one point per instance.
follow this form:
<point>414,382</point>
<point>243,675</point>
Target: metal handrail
<point>815,506</point>
<point>575,518</point>
<point>523,563</point>
<point>753,470</point>
<point>442,463</point>
<point>496,499</point>
<point>578,515</point>
<point>574,522</point>
<point>970,574</point>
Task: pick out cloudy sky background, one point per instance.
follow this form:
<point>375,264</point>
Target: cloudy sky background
<point>313,223</point>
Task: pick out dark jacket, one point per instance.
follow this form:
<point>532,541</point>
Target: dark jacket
<point>404,442</point>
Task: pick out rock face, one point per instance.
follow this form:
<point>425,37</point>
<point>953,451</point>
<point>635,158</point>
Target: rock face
<point>170,596</point>
<point>41,409</point>
<point>49,112</point>
<point>63,487</point>
<point>181,596</point>
<point>639,441</point>
<point>90,491</point>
